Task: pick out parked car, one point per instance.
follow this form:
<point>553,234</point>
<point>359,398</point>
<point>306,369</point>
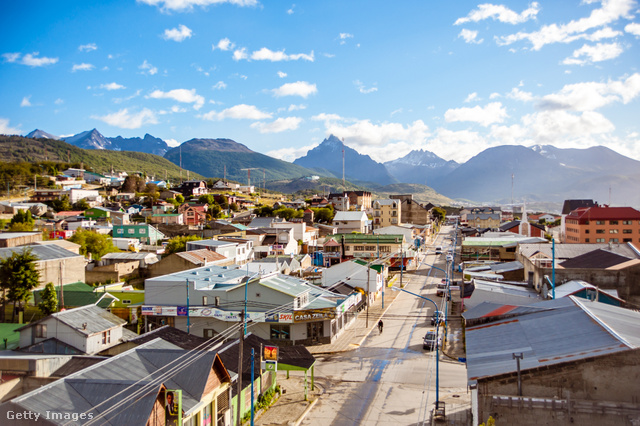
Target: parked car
<point>438,250</point>
<point>431,340</point>
<point>449,258</point>
<point>441,290</point>
<point>437,316</point>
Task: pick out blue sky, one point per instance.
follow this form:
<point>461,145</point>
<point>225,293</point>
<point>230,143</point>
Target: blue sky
<point>453,78</point>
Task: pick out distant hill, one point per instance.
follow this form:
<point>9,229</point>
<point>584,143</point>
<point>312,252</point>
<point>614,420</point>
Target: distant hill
<point>209,157</point>
<point>421,193</point>
<point>324,185</point>
<point>148,143</point>
<point>328,155</point>
<point>91,139</point>
<point>420,166</point>
<point>17,148</point>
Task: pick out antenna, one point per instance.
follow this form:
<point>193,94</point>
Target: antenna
<point>343,162</point>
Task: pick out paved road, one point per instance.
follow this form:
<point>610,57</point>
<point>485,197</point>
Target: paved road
<point>390,379</point>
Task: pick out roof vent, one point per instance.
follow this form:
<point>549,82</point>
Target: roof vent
<point>221,275</point>
<point>84,325</point>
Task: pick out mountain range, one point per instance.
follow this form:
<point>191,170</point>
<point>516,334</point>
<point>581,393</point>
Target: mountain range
<point>497,175</point>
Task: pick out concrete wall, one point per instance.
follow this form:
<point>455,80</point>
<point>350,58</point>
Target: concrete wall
<point>606,380</point>
<point>70,270</point>
<point>116,272</point>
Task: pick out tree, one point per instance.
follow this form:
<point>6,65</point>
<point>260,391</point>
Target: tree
<point>81,204</point>
<point>21,221</point>
<point>439,213</point>
<point>180,198</point>
<point>234,207</point>
<point>93,243</point>
<point>206,199</point>
<point>179,243</point>
<point>133,183</point>
<point>61,204</point>
<point>287,213</point>
<point>324,214</point>
<point>49,300</point>
<point>214,211</point>
<point>18,276</point>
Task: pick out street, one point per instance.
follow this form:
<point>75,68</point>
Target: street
<point>390,378</point>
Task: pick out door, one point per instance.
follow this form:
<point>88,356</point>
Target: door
<point>315,331</point>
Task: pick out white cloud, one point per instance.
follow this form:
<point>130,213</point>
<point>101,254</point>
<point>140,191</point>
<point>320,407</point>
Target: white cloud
<point>296,107</point>
<point>598,53</point>
<point>238,112</point>
<point>363,89</point>
<point>147,68</point>
<point>494,95</point>
<point>290,154</point>
<point>282,74</point>
<point>265,54</point>
<point>128,98</point>
<point>279,125</point>
<point>558,126</point>
<point>500,13</point>
<point>219,85</point>
<point>185,96</point>
<point>470,36</point>
<point>472,97</point>
<point>172,142</point>
<point>30,59</point>
<point>240,54</point>
<point>290,11</point>
<point>82,67</point>
<point>456,145</point>
<point>224,44</point>
<point>6,129</point>
<point>87,47</point>
<point>326,117</point>
<point>178,34</point>
<point>633,28</point>
<point>519,95</point>
<point>591,95</point>
<point>344,37</point>
<point>187,5</point>
<point>299,88</point>
<point>112,86</point>
<point>26,101</point>
<point>611,11</point>
<point>58,101</point>
<point>491,113</point>
<point>126,120</point>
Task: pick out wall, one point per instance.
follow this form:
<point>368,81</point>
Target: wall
<point>607,379</point>
<point>115,272</point>
<point>72,269</point>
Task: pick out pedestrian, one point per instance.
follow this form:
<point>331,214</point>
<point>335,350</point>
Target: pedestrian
<point>380,324</point>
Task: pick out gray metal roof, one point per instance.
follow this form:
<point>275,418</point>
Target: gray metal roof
<point>10,235</point>
<point>571,329</point>
<point>344,216</point>
<point>211,243</point>
<point>42,252</point>
<point>205,276</point>
<point>148,257</point>
<point>569,251</point>
<point>87,320</point>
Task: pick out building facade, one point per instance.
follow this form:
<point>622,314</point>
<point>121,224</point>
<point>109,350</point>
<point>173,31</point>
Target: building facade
<point>603,225</point>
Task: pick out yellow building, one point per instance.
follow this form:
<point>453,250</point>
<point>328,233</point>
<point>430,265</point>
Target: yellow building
<point>386,213</point>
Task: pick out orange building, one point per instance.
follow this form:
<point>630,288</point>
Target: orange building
<point>603,225</point>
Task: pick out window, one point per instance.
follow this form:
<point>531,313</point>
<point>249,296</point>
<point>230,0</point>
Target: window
<point>143,231</point>
<point>41,330</point>
<point>385,249</point>
<point>586,231</point>
<point>599,231</point>
<point>613,240</point>
<point>347,248</point>
<point>131,231</point>
<point>627,231</point>
<point>586,240</point>
<point>599,240</point>
<point>106,337</point>
<point>119,231</point>
<point>627,222</point>
<point>217,301</point>
<point>599,222</point>
<point>626,240</point>
<point>208,333</point>
<point>280,332</point>
<point>613,222</point>
<point>358,248</point>
<point>126,302</point>
<point>204,301</point>
<point>613,231</point>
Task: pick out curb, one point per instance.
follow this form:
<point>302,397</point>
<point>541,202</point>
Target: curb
<point>304,414</point>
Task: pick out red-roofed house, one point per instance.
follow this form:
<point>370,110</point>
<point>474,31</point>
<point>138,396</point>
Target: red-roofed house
<point>603,225</point>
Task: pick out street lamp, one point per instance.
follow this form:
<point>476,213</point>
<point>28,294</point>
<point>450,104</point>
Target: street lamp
<point>437,327</point>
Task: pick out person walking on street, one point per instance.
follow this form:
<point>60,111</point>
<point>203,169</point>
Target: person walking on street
<point>380,324</point>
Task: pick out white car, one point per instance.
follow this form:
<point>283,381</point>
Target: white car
<point>449,258</point>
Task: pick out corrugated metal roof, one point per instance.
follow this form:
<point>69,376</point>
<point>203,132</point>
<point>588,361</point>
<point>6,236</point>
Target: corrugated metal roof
<point>490,309</point>
<point>9,235</point>
<point>147,257</point>
<point>571,329</point>
<point>94,318</point>
<point>46,252</point>
<point>569,251</point>
<point>198,257</point>
<point>344,216</point>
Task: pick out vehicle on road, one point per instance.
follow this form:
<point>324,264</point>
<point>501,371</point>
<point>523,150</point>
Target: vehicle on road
<point>437,316</point>
<point>431,340</point>
<point>449,258</point>
<point>441,289</point>
<point>438,250</point>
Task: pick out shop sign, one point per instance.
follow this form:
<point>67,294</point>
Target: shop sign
<point>314,315</point>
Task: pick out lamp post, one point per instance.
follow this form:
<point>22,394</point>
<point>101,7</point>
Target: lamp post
<point>435,306</point>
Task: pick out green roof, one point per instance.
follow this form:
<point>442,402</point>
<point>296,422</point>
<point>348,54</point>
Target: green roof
<point>75,295</point>
<point>8,331</point>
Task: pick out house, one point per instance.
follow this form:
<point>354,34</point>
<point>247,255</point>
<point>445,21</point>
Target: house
<point>91,196</point>
<point>126,196</point>
<point>264,222</point>
<point>67,245</point>
<point>161,184</point>
<point>75,295</point>
<point>96,178</point>
<point>193,188</point>
<point>89,329</point>
<point>524,228</point>
<point>386,213</point>
<point>570,361</point>
<point>44,195</point>
<point>340,201</point>
<point>147,234</point>
<point>356,274</point>
<point>496,246</point>
<point>568,207</point>
<point>183,261</point>
<point>98,213</point>
<point>607,266</point>
<point>55,264</point>
<point>239,251</point>
<point>36,209</point>
<point>271,241</point>
<point>132,388</point>
<point>194,214</point>
<point>366,247</point>
<point>413,212</point>
<point>14,239</point>
<point>167,219</point>
<point>302,233</point>
<point>351,221</point>
<point>603,225</point>
<point>217,293</point>
<point>587,291</point>
<point>359,200</point>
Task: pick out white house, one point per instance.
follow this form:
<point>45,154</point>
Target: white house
<point>90,329</point>
<point>89,195</point>
<point>355,274</point>
<point>352,221</point>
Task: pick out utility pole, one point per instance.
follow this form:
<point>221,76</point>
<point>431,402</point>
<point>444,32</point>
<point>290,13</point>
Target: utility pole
<point>188,320</point>
<point>239,392</point>
<point>518,357</point>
